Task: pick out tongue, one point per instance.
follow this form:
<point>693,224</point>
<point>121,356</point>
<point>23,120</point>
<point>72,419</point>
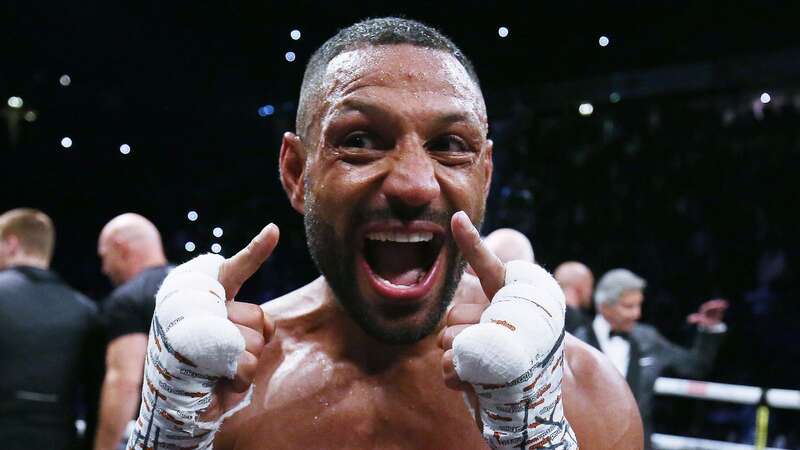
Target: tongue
<point>398,263</point>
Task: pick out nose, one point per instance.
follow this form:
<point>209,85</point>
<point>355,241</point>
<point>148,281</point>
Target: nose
<point>411,183</point>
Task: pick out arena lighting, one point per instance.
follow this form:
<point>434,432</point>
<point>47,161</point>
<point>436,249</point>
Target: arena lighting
<point>266,110</point>
<point>30,116</point>
<point>189,246</point>
<point>614,97</point>
<point>603,41</point>
<point>65,80</point>
<point>192,216</point>
<point>216,248</point>
<point>585,109</point>
<point>66,142</point>
<point>290,56</point>
<point>217,232</point>
<point>15,102</point>
<point>124,149</point>
<point>765,98</point>
<point>295,35</point>
<point>502,31</point>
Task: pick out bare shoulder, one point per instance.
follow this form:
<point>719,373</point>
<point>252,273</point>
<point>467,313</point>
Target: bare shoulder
<point>297,305</point>
<point>598,402</point>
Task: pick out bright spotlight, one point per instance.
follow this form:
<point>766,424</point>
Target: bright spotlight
<point>295,35</point>
<point>124,149</point>
<point>65,80</point>
<point>502,32</point>
<point>765,98</point>
<point>585,109</point>
<point>15,102</point>
<point>66,142</point>
<point>603,41</point>
<point>189,246</point>
<point>216,248</point>
<point>290,56</point>
<point>217,232</point>
<point>266,110</point>
<point>192,216</point>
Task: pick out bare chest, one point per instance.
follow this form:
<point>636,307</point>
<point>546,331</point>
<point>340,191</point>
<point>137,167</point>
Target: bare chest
<point>311,401</point>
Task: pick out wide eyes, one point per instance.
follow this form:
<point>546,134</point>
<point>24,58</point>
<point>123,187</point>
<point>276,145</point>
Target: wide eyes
<point>449,144</point>
<point>361,139</point>
<point>441,144</point>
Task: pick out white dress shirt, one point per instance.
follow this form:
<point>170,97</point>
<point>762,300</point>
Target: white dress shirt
<point>617,348</point>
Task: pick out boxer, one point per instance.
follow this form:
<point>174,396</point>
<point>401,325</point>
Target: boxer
<point>390,166</point>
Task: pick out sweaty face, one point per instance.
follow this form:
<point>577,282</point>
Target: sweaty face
<point>624,314</point>
<point>397,146</point>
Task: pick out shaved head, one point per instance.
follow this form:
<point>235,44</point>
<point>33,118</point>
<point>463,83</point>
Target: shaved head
<point>509,245</point>
<point>128,244</point>
<point>369,32</point>
<point>577,281</point>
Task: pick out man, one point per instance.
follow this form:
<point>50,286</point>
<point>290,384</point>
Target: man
<point>639,351</point>
<point>577,281</point>
<point>48,337</point>
<point>391,143</point>
<point>133,259</point>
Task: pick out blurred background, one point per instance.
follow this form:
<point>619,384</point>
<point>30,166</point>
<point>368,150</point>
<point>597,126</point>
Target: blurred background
<point>658,136</point>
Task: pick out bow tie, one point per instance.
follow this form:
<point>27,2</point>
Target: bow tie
<point>623,334</point>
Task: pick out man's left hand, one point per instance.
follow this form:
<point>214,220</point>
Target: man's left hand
<point>709,314</point>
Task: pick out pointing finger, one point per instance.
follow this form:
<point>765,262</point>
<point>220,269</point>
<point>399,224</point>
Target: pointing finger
<point>241,266</point>
<point>487,266</point>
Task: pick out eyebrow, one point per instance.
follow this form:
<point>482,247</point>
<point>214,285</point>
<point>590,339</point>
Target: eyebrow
<point>369,108</point>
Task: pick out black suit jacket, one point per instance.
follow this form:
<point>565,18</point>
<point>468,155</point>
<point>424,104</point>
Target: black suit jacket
<point>50,362</point>
<point>651,354</point>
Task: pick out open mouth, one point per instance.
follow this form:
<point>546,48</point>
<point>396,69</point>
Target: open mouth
<point>403,263</point>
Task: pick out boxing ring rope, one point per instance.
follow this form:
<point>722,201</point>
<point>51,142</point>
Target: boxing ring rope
<point>732,393</point>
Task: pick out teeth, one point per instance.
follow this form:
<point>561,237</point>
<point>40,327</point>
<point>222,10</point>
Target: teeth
<point>393,236</point>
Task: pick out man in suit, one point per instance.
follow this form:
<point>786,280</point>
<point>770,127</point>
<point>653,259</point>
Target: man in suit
<point>639,351</point>
<point>51,352</point>
<point>577,282</point>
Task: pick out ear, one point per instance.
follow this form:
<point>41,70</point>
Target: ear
<point>12,244</point>
<point>121,248</point>
<point>292,164</point>
<point>488,168</point>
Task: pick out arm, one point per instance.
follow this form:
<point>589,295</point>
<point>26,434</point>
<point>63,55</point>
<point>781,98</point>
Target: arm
<point>695,361</point>
<point>121,388</point>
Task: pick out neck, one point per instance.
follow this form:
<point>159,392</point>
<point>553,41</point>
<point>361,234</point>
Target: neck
<point>30,261</point>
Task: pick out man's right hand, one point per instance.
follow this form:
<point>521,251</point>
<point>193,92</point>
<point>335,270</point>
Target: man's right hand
<point>203,348</point>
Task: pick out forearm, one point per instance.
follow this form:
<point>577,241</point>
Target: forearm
<point>118,402</point>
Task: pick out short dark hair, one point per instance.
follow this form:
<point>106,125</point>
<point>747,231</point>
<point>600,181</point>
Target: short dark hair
<point>33,228</point>
<point>378,31</point>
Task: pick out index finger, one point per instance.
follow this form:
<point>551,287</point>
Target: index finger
<point>487,266</point>
<point>241,266</point>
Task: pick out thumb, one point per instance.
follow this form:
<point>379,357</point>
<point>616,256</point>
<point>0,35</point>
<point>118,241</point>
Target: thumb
<point>241,266</point>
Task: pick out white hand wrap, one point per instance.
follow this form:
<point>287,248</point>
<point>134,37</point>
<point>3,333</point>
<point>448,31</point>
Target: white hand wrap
<point>514,359</point>
<point>192,345</point>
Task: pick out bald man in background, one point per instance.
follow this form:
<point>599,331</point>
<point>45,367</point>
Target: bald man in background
<point>577,282</point>
<point>133,259</point>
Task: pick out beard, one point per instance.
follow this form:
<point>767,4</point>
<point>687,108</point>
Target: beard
<point>336,258</point>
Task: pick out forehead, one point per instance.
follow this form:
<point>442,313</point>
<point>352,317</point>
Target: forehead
<point>401,70</point>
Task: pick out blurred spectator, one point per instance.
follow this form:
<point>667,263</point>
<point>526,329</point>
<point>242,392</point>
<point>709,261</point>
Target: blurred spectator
<point>133,258</point>
<point>639,351</point>
<point>577,281</point>
<point>49,366</point>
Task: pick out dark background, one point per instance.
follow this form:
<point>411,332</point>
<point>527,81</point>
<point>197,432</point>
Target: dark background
<point>689,179</point>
